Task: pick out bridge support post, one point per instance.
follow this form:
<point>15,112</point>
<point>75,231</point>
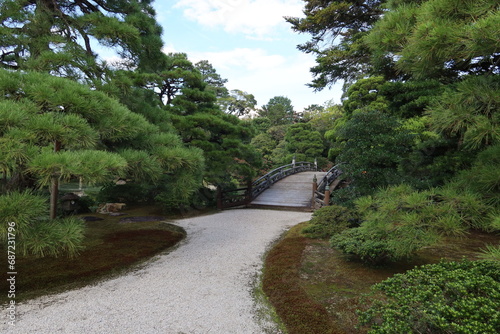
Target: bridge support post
<point>249,196</point>
<point>327,195</point>
<point>219,198</point>
<point>315,188</point>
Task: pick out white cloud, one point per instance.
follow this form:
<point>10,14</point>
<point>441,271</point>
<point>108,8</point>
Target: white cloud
<point>266,75</point>
<point>240,59</point>
<point>254,18</point>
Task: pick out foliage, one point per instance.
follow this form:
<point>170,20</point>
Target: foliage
<point>470,112</point>
<point>336,29</point>
<point>237,102</point>
<point>124,193</point>
<point>364,93</point>
<point>54,237</point>
<point>279,110</point>
<point>491,253</point>
<point>323,118</point>
<point>60,37</point>
<point>483,177</point>
<point>35,233</point>
<point>398,221</point>
<point>374,144</point>
<point>330,220</point>
<point>214,81</point>
<point>439,38</point>
<point>448,297</point>
<point>304,142</point>
<point>410,99</point>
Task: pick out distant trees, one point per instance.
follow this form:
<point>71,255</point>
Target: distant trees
<point>278,110</point>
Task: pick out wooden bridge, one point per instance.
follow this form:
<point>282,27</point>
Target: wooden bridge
<point>297,186</point>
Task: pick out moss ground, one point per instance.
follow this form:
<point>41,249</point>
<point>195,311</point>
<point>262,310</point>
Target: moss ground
<point>316,289</point>
<point>110,248</point>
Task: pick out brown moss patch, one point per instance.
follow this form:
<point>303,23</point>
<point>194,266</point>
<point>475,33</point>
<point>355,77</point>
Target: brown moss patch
<point>110,249</point>
<point>281,284</point>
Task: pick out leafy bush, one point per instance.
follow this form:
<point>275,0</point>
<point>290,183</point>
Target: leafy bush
<point>330,220</point>
<point>382,245</point>
<point>35,233</point>
<point>483,177</point>
<point>54,237</point>
<point>448,297</point>
<point>398,221</point>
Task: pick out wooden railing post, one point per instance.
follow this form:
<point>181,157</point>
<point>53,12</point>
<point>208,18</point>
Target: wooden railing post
<point>219,198</point>
<point>249,192</point>
<point>327,195</point>
<point>315,188</point>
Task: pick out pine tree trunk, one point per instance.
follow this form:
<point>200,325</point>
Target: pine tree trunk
<point>54,187</point>
<point>54,193</point>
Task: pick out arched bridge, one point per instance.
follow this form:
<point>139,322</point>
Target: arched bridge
<point>297,186</point>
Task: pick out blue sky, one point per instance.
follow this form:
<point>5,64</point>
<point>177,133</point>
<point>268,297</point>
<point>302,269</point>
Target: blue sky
<point>248,42</point>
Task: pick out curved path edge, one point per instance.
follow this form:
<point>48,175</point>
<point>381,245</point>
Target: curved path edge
<point>205,285</point>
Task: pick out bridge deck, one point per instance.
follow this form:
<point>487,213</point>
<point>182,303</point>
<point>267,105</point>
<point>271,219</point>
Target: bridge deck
<point>294,191</point>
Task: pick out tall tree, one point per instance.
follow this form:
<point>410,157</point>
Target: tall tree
<point>279,110</point>
<point>442,39</point>
<point>238,103</point>
<point>214,81</point>
<point>62,37</point>
<point>337,28</point>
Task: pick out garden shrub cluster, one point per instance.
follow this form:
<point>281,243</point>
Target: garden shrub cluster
<point>35,233</point>
<point>448,297</point>
<point>330,220</point>
<point>398,221</point>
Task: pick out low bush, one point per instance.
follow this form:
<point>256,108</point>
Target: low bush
<point>448,297</point>
<point>331,220</point>
<point>26,215</point>
<point>398,221</point>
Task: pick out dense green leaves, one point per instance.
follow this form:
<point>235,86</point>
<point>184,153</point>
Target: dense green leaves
<point>440,38</point>
<point>35,234</point>
<point>398,221</point>
<point>448,297</point>
<point>60,37</point>
<point>470,112</point>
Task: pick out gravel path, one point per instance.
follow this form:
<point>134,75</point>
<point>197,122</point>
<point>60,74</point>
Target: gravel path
<point>203,286</point>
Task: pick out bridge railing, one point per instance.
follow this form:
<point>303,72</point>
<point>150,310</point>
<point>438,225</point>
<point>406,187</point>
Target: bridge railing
<point>322,192</point>
<point>243,196</point>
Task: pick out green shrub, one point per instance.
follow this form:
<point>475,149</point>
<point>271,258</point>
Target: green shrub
<point>330,220</point>
<point>448,297</point>
<point>483,177</point>
<point>491,253</point>
<point>398,221</point>
<point>375,247</point>
<point>24,209</point>
<point>126,193</point>
<point>54,237</point>
<point>35,233</point>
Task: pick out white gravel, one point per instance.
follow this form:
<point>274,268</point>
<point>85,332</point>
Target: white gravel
<point>203,286</point>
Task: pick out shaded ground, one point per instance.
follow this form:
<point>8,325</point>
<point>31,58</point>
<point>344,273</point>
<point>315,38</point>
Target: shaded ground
<point>110,248</point>
<point>323,276</point>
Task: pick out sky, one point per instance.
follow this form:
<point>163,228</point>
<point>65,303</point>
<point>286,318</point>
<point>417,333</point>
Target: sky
<point>248,42</point>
